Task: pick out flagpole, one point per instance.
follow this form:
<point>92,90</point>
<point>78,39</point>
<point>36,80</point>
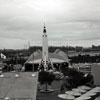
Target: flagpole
<point>33,66</point>
<point>3,57</point>
<point>33,62</point>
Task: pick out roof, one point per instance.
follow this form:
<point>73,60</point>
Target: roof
<point>56,57</point>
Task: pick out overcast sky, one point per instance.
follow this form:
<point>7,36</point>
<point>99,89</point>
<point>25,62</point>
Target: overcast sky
<point>68,22</point>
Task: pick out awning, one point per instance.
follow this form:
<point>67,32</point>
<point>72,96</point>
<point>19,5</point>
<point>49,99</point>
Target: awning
<point>53,60</point>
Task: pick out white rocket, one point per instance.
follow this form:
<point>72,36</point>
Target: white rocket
<point>45,48</point>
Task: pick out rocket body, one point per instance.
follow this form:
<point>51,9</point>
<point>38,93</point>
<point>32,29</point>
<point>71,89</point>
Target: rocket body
<point>44,48</point>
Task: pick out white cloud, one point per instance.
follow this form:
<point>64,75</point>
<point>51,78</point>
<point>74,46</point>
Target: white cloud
<point>72,22</point>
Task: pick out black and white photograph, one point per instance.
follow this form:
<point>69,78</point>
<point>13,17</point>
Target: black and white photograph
<point>49,49</point>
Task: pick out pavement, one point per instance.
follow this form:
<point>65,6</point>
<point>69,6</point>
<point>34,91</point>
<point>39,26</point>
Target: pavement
<point>23,87</point>
<point>53,95</point>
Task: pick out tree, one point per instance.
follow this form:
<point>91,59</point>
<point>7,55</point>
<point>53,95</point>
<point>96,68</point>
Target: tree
<point>46,78</point>
<point>76,79</point>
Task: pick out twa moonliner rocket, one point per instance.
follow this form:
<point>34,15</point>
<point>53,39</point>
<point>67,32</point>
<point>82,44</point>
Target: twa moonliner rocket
<point>44,48</point>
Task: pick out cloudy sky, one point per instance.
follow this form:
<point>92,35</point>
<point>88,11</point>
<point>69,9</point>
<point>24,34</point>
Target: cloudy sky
<point>68,22</point>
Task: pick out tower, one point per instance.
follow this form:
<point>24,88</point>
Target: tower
<point>45,48</point>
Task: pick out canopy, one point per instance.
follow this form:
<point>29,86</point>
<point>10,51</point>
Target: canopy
<point>53,60</point>
<point>56,57</point>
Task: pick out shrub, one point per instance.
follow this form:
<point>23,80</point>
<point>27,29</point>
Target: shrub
<point>46,77</point>
<point>77,78</point>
